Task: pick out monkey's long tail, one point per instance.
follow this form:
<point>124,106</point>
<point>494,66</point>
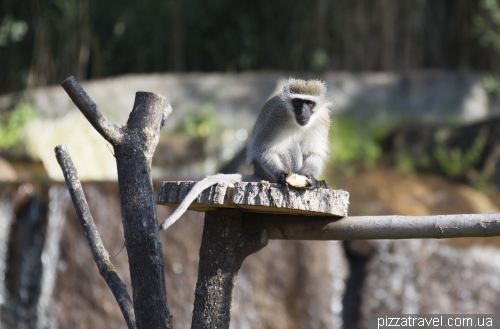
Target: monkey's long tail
<point>195,191</point>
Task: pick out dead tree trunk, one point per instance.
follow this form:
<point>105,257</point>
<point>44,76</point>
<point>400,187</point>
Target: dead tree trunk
<point>140,225</point>
<point>224,247</point>
<point>134,145</point>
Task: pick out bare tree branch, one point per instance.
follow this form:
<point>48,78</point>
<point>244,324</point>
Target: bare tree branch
<point>290,227</point>
<point>89,109</point>
<point>101,256</point>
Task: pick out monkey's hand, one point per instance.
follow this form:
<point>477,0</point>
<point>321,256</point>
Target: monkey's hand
<point>282,179</point>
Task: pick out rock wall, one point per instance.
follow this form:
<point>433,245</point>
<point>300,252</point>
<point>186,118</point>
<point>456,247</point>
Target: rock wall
<point>389,99</point>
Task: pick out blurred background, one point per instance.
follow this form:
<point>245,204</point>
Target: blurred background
<point>415,130</point>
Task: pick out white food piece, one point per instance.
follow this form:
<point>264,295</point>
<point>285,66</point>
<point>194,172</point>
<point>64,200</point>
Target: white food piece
<point>298,181</point>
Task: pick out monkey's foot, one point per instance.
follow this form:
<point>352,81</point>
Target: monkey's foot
<point>315,184</point>
<point>324,184</point>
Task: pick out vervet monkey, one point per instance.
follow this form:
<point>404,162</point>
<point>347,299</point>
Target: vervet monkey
<point>289,137</point>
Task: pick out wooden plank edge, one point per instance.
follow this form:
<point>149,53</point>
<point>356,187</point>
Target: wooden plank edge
<point>203,207</point>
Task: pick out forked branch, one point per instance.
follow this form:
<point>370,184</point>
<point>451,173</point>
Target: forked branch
<point>133,146</point>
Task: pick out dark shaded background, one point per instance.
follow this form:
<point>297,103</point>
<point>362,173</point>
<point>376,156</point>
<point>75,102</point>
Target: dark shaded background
<point>42,42</point>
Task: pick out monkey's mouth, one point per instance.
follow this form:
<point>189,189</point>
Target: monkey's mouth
<point>301,120</point>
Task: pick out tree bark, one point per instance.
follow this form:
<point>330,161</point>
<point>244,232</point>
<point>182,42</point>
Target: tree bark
<point>224,246</point>
<point>140,225</point>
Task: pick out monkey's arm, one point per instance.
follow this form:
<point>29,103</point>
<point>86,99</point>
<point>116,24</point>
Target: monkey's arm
<point>269,166</point>
<point>312,165</point>
<point>312,168</point>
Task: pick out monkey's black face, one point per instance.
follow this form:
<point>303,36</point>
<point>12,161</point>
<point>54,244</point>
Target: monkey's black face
<point>303,110</point>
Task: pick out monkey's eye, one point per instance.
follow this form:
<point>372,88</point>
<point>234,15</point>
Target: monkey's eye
<point>296,102</point>
<point>309,103</point>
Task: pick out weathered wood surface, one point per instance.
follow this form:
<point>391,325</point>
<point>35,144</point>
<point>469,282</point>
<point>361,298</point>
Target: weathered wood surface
<point>258,197</point>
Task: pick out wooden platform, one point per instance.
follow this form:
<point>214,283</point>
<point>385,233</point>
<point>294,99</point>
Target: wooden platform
<point>258,197</point>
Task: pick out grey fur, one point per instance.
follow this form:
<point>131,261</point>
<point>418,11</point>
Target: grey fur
<point>278,144</point>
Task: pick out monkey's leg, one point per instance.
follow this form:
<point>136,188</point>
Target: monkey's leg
<point>312,168</point>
